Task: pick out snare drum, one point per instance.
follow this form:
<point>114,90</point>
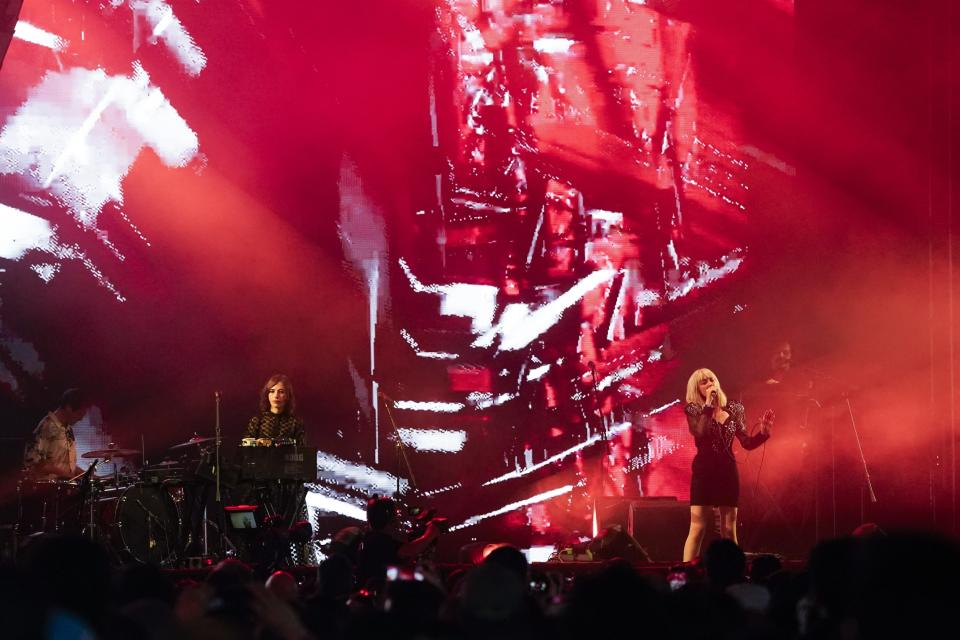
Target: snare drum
<point>264,442</point>
<point>140,523</point>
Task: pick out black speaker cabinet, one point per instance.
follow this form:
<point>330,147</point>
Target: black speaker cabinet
<point>660,525</point>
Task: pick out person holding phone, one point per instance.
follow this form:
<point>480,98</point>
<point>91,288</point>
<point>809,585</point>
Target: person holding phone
<point>383,544</point>
<point>714,423</point>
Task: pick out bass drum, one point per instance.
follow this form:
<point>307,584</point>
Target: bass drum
<point>141,523</point>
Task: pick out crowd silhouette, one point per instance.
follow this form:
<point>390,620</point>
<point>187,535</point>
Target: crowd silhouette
<point>870,584</point>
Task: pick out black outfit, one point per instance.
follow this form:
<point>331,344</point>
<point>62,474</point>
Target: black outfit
<point>279,426</point>
<point>378,550</point>
<point>281,498</point>
<point>715,481</point>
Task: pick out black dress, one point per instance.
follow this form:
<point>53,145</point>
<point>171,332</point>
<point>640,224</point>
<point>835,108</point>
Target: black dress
<point>715,481</point>
<point>278,426</point>
<point>281,498</point>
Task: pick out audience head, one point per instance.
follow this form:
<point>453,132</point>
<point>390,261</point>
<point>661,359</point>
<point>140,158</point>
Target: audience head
<point>491,593</point>
<point>725,563</point>
<point>868,530</point>
<point>510,558</point>
<point>381,512</point>
<point>345,542</point>
<point>284,586</point>
<point>71,573</point>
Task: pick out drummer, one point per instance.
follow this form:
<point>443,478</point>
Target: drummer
<point>276,421</point>
<point>53,452</point>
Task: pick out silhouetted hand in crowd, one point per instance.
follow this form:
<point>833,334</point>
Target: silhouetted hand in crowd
<point>276,615</point>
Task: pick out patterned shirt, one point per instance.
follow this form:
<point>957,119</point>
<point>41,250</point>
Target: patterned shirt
<point>277,426</point>
<point>53,452</point>
<point>718,438</point>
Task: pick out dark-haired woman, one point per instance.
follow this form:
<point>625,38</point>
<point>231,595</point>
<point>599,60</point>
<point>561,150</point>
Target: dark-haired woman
<point>277,424</point>
<point>276,421</point>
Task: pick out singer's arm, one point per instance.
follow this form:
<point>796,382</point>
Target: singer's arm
<point>698,418</point>
<point>747,441</point>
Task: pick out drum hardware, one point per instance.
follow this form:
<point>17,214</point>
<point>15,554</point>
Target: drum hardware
<point>139,522</point>
<point>163,474</point>
<point>217,433</point>
<point>196,440</point>
<point>152,519</point>
<point>112,451</point>
<point>207,469</point>
<point>44,505</point>
<point>165,463</point>
<point>87,493</point>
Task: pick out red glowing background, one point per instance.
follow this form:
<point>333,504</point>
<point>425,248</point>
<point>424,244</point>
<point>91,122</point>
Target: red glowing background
<point>501,227</point>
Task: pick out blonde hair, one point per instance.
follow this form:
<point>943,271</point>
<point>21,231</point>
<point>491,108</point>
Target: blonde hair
<point>693,387</point>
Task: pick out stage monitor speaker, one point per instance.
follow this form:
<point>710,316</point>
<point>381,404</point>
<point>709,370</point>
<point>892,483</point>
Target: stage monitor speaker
<point>659,524</point>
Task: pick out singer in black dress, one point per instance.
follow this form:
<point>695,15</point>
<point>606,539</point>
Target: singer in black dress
<point>714,423</point>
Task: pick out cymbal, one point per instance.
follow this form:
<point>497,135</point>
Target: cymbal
<point>111,452</point>
<point>192,442</point>
<point>165,463</point>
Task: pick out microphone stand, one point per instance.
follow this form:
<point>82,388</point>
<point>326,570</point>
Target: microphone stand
<point>401,448</point>
<point>845,394</point>
<point>216,447</point>
<point>863,459</point>
<point>86,491</point>
<point>605,447</point>
<point>216,478</point>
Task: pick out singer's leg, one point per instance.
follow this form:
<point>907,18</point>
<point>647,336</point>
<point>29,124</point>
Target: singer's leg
<point>698,524</point>
<point>728,523</point>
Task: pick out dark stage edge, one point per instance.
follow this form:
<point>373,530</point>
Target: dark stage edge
<point>571,569</point>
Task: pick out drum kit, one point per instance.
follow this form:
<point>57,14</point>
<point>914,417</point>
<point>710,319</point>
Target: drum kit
<point>140,517</point>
